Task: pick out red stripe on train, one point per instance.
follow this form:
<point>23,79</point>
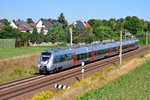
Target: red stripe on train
<point>117,49</point>
<point>92,54</point>
<point>110,51</point>
<point>74,59</point>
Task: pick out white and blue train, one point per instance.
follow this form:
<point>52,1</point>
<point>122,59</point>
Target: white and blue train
<point>56,59</point>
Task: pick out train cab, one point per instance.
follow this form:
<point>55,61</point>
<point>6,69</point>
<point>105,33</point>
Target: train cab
<point>44,62</point>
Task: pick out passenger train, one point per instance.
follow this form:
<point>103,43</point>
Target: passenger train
<point>56,59</point>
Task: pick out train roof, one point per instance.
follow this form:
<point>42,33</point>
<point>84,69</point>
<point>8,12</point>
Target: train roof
<point>58,49</point>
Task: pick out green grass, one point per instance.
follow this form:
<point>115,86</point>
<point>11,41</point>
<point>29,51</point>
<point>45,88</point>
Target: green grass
<point>15,52</point>
<point>133,86</point>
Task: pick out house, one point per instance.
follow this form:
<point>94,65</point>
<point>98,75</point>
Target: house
<point>22,26</point>
<point>45,24</point>
<point>81,24</point>
<point>1,25</point>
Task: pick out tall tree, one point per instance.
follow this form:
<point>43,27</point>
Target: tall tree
<point>132,24</point>
<point>41,36</point>
<point>55,34</point>
<point>63,21</point>
<point>34,36</point>
<point>29,20</point>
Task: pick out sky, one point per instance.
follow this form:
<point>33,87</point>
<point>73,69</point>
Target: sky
<point>74,9</point>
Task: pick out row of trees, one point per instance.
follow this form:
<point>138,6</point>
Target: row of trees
<point>60,31</point>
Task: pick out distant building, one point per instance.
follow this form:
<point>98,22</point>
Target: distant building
<point>81,24</point>
<point>2,25</point>
<point>22,26</point>
<point>45,24</point>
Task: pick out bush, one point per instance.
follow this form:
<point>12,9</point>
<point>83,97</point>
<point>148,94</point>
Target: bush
<point>17,70</point>
<point>63,44</point>
<point>43,95</point>
<point>142,56</point>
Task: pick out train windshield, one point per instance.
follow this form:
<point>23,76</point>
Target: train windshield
<point>46,56</point>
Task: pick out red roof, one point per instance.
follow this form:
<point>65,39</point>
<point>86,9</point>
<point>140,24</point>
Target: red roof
<point>32,25</point>
<point>23,28</point>
<point>88,25</point>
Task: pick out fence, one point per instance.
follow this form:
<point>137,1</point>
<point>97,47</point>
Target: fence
<point>7,43</point>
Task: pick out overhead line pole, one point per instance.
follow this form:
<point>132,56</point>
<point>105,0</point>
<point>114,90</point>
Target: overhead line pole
<point>70,36</point>
<point>120,55</point>
<point>146,37</point>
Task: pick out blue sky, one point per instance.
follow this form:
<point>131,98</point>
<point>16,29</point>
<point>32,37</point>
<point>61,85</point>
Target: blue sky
<point>74,9</point>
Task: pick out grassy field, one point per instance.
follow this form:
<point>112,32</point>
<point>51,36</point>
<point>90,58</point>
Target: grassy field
<point>133,86</point>
<point>17,68</point>
<point>15,52</point>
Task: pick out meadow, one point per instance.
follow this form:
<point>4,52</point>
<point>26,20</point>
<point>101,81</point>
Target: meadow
<point>17,68</point>
<point>132,86</point>
<point>17,63</point>
<point>6,53</point>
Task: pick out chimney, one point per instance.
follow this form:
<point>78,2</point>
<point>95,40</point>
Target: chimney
<point>51,20</point>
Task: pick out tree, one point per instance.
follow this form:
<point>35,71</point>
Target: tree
<point>25,36</point>
<point>92,22</point>
<point>29,20</point>
<point>19,20</point>
<point>63,21</point>
<point>98,23</point>
<point>112,23</point>
<point>5,21</point>
<point>104,21</point>
<point>55,34</point>
<point>41,36</point>
<point>34,36</point>
<point>100,33</point>
<point>8,32</point>
<point>83,35</point>
<point>132,24</point>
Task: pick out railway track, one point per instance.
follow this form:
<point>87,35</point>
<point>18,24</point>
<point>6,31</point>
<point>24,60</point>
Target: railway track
<point>13,89</point>
<point>20,81</point>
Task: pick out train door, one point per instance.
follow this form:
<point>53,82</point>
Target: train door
<point>74,59</point>
<point>134,45</point>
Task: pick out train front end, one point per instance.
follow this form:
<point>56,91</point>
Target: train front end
<point>45,62</point>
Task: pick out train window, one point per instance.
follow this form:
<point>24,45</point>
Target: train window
<point>83,56</point>
<point>46,56</point>
<point>56,60</point>
<point>99,52</point>
<point>114,48</point>
<point>78,57</point>
<point>107,50</point>
<point>96,53</point>
<point>69,56</point>
<point>61,58</point>
<point>90,54</point>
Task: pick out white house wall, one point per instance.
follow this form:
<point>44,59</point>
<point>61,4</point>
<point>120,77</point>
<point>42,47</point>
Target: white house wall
<point>13,25</point>
<point>39,26</point>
